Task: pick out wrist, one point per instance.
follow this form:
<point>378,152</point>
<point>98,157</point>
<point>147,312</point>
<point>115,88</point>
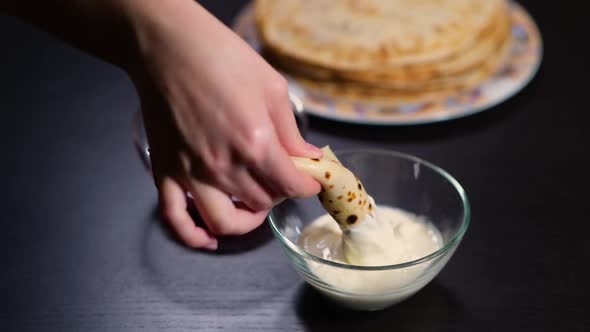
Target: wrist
<point>152,24</point>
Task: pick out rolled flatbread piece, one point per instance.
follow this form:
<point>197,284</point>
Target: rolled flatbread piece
<point>343,195</point>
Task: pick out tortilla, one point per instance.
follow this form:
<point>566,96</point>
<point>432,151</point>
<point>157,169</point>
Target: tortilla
<point>343,195</point>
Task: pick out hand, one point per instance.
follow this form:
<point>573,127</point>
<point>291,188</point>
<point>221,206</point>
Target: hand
<point>219,123</point>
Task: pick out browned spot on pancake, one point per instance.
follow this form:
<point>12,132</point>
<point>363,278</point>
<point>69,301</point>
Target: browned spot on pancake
<point>353,196</point>
<point>360,202</point>
<point>331,186</point>
<point>365,202</point>
<point>383,51</point>
<point>349,193</point>
<point>351,219</point>
<point>315,159</point>
<point>360,186</point>
<point>439,29</point>
<point>370,206</point>
<point>328,175</point>
<point>339,197</point>
<point>349,200</point>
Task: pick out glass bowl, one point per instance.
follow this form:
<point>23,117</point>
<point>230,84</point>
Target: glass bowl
<point>393,179</point>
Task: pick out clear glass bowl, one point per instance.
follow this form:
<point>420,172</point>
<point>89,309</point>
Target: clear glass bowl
<point>393,179</point>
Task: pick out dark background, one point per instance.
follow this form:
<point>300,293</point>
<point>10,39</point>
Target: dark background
<point>81,248</point>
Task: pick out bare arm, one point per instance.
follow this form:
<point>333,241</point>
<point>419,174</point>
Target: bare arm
<point>218,117</point>
<point>101,28</point>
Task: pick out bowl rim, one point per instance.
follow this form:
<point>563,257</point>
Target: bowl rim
<point>448,246</point>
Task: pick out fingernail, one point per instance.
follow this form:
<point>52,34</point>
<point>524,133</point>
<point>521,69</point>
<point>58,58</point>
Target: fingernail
<point>317,152</point>
<point>211,245</point>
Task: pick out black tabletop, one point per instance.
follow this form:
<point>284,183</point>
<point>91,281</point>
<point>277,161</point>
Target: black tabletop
<point>82,248</point>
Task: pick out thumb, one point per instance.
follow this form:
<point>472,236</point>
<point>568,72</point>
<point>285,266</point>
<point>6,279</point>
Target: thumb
<point>289,135</point>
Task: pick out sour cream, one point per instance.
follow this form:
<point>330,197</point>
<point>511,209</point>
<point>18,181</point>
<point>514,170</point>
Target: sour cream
<point>390,236</point>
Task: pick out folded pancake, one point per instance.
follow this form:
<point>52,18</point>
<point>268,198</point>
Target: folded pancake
<point>364,238</point>
<point>343,195</point>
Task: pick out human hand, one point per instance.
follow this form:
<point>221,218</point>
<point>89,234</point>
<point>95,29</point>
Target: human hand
<point>219,124</point>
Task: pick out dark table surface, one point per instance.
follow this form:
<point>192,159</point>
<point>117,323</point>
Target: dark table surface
<point>81,247</point>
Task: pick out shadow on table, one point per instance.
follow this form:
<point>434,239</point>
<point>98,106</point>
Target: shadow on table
<point>192,279</point>
<point>434,308</point>
<point>426,132</point>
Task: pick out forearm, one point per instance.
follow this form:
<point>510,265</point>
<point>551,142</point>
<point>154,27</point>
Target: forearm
<point>104,28</point>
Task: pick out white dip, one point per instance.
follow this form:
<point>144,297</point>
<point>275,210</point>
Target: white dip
<point>392,236</point>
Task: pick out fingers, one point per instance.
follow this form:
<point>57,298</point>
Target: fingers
<point>173,206</point>
<point>279,172</point>
<point>248,190</point>
<point>289,135</point>
<point>221,214</point>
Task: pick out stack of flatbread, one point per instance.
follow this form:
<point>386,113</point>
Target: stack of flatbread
<point>386,50</point>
